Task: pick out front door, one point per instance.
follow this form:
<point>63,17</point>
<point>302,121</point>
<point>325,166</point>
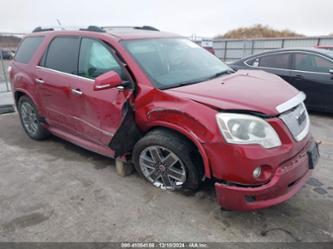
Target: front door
<point>97,114</point>
<point>311,75</point>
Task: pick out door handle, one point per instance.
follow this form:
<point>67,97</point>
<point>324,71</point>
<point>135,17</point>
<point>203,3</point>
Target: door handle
<point>77,92</point>
<point>299,77</point>
<point>39,81</point>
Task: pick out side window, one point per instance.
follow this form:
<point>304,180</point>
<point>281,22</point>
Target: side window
<point>275,61</point>
<point>312,63</point>
<point>27,49</point>
<point>253,62</point>
<point>96,59</point>
<point>62,54</point>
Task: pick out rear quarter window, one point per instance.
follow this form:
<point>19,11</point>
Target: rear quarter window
<point>27,49</point>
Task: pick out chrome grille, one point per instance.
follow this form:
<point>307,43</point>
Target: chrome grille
<point>297,120</point>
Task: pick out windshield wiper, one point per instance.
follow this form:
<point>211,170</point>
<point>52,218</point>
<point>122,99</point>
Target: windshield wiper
<point>191,82</point>
<point>186,83</point>
<point>228,71</point>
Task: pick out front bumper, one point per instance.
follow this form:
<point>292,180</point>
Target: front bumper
<point>288,179</point>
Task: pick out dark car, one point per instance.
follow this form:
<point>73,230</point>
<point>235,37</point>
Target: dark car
<point>308,69</point>
<point>6,55</point>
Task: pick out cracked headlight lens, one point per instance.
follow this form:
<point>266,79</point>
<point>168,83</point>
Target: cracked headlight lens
<point>247,129</point>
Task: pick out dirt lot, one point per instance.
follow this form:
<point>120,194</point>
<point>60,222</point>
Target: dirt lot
<point>55,191</point>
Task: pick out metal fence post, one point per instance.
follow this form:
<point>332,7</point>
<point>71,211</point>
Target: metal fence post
<point>244,47</point>
<point>252,47</point>
<point>4,71</point>
<point>225,50</point>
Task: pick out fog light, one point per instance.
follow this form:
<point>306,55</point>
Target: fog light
<point>257,172</point>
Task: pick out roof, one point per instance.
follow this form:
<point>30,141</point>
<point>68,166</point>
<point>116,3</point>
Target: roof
<point>130,34</point>
<point>118,32</point>
<point>306,49</point>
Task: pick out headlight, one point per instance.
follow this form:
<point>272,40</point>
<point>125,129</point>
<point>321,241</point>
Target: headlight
<point>247,129</point>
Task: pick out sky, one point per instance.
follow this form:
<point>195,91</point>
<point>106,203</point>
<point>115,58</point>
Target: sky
<point>206,18</point>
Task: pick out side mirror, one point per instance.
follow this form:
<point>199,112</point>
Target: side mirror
<point>107,80</point>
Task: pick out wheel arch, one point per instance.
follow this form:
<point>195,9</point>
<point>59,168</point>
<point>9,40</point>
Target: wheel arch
<point>19,93</point>
<point>189,137</point>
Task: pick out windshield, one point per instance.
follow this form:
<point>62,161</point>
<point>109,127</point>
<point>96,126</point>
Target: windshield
<point>175,62</point>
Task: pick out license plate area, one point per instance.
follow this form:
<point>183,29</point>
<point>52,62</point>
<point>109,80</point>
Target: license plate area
<point>313,155</point>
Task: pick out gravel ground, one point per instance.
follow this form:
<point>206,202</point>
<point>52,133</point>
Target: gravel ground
<point>55,191</point>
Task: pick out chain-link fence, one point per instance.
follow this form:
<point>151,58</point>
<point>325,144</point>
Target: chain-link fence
<point>4,83</point>
<point>8,45</point>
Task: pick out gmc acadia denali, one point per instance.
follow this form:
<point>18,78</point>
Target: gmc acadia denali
<point>169,106</point>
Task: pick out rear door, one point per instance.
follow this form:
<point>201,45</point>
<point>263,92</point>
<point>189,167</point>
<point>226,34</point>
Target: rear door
<point>56,71</point>
<point>97,114</point>
<point>276,63</point>
<point>311,75</point>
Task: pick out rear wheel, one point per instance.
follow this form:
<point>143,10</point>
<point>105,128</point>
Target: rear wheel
<point>30,121</point>
<point>168,161</point>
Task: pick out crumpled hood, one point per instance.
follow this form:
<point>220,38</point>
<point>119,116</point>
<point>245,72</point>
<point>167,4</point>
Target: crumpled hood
<point>250,90</point>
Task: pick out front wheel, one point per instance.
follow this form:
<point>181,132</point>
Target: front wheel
<point>168,161</point>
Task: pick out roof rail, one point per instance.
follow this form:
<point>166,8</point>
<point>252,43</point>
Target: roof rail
<point>94,29</point>
<point>90,28</point>
<point>40,29</point>
<point>145,27</point>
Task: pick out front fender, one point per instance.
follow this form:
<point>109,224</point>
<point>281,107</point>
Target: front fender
<point>197,122</point>
<point>182,120</point>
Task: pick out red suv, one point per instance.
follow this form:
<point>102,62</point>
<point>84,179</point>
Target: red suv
<point>169,106</point>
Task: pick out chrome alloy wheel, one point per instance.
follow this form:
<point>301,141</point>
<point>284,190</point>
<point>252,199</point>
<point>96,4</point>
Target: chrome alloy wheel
<point>162,167</point>
<point>29,118</point>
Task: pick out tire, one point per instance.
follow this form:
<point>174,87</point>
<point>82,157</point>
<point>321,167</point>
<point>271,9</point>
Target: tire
<point>155,158</point>
<point>30,119</point>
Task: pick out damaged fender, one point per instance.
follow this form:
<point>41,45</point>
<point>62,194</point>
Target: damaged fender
<point>186,125</point>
